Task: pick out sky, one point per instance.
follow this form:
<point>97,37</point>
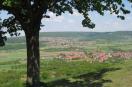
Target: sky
<point>68,22</point>
<point>105,23</point>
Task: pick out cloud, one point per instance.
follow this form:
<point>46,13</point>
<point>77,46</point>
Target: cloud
<point>75,13</point>
<point>71,21</point>
<point>54,18</point>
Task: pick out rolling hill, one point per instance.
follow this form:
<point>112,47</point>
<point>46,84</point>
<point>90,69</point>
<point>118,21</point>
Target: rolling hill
<point>108,36</point>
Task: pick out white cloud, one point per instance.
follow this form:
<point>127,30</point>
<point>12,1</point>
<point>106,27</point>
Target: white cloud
<point>75,13</point>
<point>53,18</point>
<point>71,21</point>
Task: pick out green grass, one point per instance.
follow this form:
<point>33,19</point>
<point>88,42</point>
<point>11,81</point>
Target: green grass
<point>122,77</point>
<point>63,69</point>
<point>118,73</point>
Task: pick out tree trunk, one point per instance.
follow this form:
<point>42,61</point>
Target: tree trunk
<point>33,58</point>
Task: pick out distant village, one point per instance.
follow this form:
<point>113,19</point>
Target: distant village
<point>77,54</point>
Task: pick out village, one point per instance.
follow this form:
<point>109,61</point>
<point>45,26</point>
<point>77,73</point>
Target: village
<point>70,49</point>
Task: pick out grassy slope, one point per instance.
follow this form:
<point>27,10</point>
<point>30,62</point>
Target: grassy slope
<point>72,74</point>
<point>122,77</point>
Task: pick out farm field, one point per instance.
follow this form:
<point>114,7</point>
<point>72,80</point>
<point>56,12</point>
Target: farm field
<point>75,70</point>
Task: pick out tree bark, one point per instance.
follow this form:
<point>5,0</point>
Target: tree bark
<point>33,58</point>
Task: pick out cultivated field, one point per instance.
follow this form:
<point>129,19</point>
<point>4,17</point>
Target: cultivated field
<point>72,59</point>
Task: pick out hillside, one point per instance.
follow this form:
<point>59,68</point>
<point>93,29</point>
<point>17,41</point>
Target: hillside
<point>61,51</point>
<point>112,36</point>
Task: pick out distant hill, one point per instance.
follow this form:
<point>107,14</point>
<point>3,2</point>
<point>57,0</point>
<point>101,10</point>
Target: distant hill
<point>109,36</point>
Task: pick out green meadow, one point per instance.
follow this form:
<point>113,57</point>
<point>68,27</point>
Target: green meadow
<point>55,72</point>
